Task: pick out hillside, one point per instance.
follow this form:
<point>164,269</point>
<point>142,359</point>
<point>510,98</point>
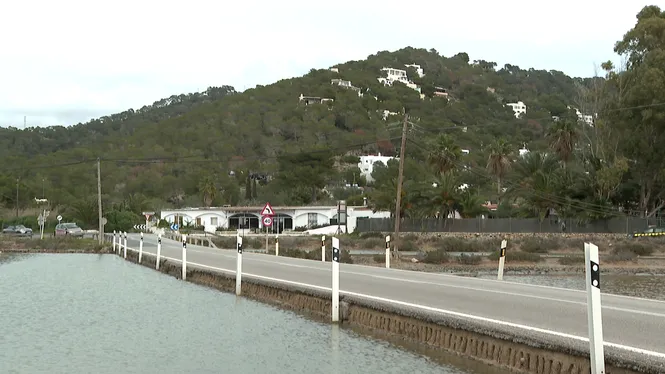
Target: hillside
<point>223,147</point>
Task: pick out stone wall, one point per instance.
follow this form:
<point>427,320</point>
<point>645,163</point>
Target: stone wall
<point>503,347</point>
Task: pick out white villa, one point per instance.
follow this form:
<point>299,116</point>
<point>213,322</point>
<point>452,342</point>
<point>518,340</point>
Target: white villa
<point>366,164</point>
<point>519,108</point>
<point>286,218</point>
<point>398,75</point>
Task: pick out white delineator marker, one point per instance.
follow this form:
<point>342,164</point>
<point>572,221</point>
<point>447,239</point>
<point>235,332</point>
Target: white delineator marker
<point>387,251</point>
<point>335,279</point>
<point>594,312</point>
<point>184,257</point>
<point>277,245</point>
<point>159,250</point>
<point>502,258</point>
<point>125,246</point>
<point>141,248</point>
<point>323,248</point>
<point>239,265</point>
<point>113,245</point>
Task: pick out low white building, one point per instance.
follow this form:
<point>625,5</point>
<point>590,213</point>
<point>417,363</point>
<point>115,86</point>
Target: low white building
<point>286,218</point>
<point>519,108</point>
<point>397,75</point>
<point>366,164</point>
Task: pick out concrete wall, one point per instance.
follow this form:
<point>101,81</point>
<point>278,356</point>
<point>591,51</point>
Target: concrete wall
<point>489,344</point>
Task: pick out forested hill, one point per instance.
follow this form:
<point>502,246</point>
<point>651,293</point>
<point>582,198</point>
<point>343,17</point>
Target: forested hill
<point>269,143</point>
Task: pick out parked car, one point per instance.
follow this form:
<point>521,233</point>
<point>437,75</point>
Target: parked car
<point>17,230</point>
<point>68,229</point>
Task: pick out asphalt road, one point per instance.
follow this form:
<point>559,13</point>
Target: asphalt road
<point>630,324</point>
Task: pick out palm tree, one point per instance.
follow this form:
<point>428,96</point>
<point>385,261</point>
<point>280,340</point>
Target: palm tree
<point>208,190</point>
<point>538,178</point>
<point>498,162</point>
<point>563,138</point>
<point>444,154</point>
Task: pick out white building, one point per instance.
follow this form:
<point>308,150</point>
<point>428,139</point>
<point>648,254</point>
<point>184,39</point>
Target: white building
<point>345,84</point>
<point>519,108</point>
<point>419,70</point>
<point>308,100</point>
<point>286,218</point>
<point>366,164</point>
<point>397,75</point>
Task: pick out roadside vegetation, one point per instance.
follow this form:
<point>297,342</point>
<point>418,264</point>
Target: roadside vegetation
<point>51,244</point>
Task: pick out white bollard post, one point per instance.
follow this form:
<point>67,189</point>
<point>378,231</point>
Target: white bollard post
<point>335,279</point>
<point>141,248</point>
<point>323,248</point>
<point>502,258</point>
<point>387,251</point>
<point>184,257</point>
<point>594,313</point>
<point>113,246</point>
<point>277,245</point>
<point>159,250</point>
<point>239,265</point>
<point>125,246</point>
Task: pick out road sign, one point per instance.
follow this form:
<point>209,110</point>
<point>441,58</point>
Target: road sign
<point>267,210</point>
<point>174,227</point>
<point>139,227</point>
<point>40,220</point>
<point>147,215</point>
<point>267,221</point>
<point>59,218</point>
<point>104,221</point>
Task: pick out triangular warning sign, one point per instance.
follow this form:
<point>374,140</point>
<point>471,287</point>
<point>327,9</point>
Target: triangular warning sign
<point>267,210</point>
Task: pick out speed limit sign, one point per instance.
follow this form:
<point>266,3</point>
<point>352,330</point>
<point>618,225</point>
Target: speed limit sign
<point>267,221</point>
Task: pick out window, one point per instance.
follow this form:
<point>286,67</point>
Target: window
<point>213,221</point>
<point>198,222</point>
<point>312,219</point>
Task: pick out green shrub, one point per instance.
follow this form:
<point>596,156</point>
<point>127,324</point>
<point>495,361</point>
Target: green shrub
<point>407,246</point>
<point>470,259</point>
<point>639,249</point>
<point>453,244</point>
<point>372,234</point>
<point>373,243</point>
<point>539,245</point>
<point>438,256</point>
<point>621,256</point>
<point>571,260</point>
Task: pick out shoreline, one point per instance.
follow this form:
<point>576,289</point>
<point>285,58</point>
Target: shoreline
<point>484,269</point>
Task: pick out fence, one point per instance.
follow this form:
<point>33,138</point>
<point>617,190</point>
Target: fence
<point>508,225</point>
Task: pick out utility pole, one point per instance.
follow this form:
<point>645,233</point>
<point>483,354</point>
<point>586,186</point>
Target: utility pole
<point>400,177</point>
<point>99,201</point>
<point>17,182</point>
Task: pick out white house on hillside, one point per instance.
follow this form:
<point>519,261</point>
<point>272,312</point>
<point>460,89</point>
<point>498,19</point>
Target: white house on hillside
<point>397,75</point>
<point>519,108</point>
<point>366,164</point>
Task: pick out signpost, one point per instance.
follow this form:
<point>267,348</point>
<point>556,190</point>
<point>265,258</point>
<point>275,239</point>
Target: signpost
<point>59,218</point>
<point>175,227</point>
<point>147,216</point>
<point>266,218</point>
<point>140,227</point>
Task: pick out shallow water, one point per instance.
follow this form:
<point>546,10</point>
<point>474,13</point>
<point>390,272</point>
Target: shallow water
<point>75,313</point>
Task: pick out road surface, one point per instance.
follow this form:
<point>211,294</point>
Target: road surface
<point>631,324</point>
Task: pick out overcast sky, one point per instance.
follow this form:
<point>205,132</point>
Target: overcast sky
<point>66,61</point>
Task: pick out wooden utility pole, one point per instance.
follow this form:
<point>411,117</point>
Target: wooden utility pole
<point>400,178</point>
<point>100,237</point>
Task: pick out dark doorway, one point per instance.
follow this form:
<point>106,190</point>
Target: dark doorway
<point>244,221</point>
<point>281,222</point>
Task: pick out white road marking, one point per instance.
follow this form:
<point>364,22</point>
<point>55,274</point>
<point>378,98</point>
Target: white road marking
<point>432,309</point>
<point>618,309</point>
